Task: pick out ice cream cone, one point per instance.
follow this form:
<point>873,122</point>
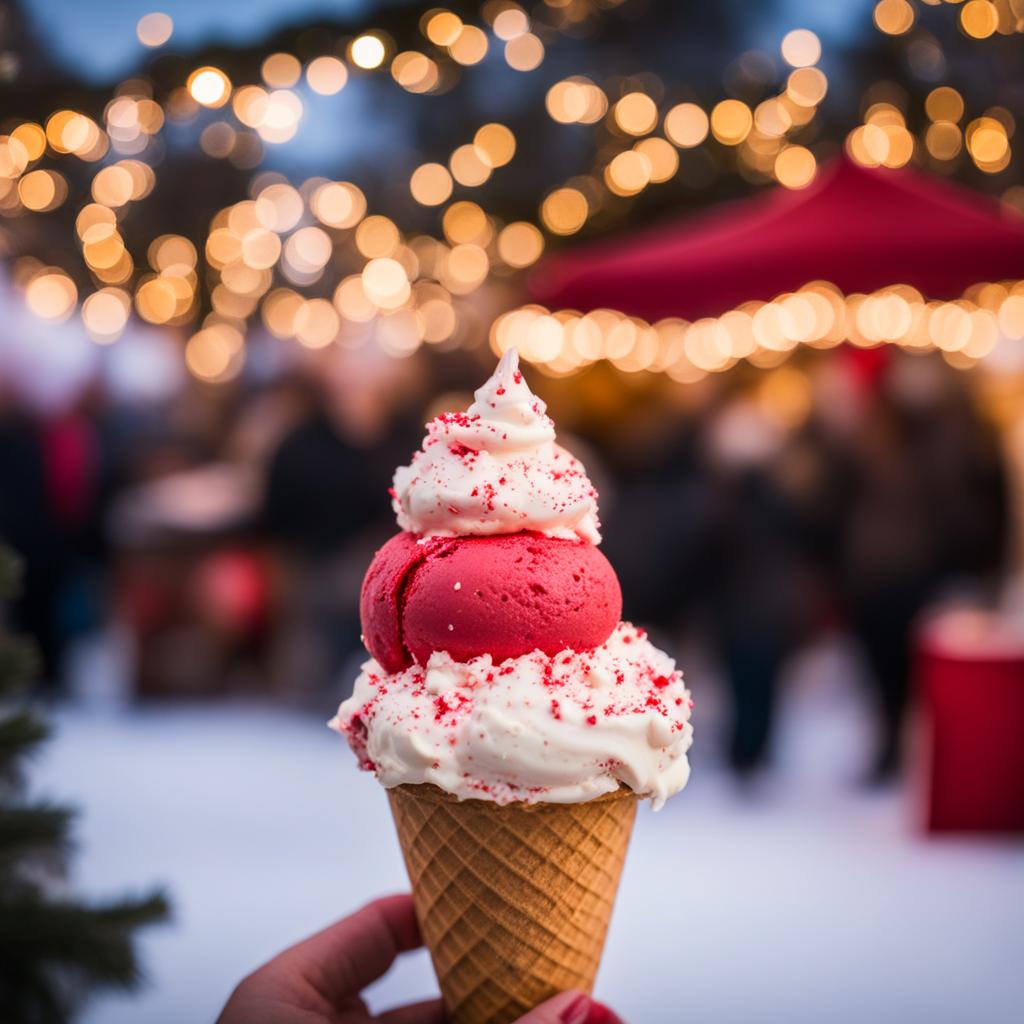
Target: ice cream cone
<point>513,901</point>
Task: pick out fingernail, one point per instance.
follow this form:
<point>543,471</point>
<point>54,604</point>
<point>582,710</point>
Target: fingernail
<point>601,1014</point>
<point>585,1010</point>
<point>577,1012</point>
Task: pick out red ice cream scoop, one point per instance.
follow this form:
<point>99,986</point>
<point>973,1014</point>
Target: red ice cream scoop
<point>505,596</point>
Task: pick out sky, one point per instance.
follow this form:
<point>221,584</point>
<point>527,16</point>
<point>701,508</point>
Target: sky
<point>98,39</point>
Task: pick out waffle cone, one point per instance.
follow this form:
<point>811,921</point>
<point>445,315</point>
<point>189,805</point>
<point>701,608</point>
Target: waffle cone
<point>514,901</point>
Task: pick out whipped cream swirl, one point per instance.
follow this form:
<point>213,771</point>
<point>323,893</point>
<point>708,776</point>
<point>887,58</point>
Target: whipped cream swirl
<point>496,469</point>
<point>561,729</point>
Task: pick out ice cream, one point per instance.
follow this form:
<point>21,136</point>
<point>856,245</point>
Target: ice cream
<point>505,595</point>
<point>561,729</point>
<point>514,720</point>
<point>500,669</point>
<point>495,468</point>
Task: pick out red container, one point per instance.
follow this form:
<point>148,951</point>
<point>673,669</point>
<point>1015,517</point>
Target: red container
<point>971,674</point>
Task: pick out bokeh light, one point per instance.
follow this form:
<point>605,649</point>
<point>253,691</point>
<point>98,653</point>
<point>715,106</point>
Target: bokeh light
<point>795,167</point>
<point>443,28</point>
<point>661,156</point>
<point>326,75</point>
<point>280,70</point>
<point>979,18</point>
<point>495,144</point>
<point>338,204</point>
<point>209,86</point>
<point>105,314</point>
<point>687,125</point>
<point>415,71</point>
<point>469,165</point>
<point>469,47</point>
<point>154,29</point>
<point>893,17</point>
<point>524,52</point>
<point>801,48</point>
<point>731,121</point>
<point>635,114</point>
<point>520,244</point>
<point>367,51</point>
<point>431,184</point>
<point>51,294</point>
<point>564,211</point>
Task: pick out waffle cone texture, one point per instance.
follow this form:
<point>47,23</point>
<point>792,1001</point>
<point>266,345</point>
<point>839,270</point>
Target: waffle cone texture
<point>513,901</point>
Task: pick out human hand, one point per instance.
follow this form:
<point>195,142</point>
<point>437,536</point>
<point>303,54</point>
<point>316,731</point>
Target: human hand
<point>319,980</point>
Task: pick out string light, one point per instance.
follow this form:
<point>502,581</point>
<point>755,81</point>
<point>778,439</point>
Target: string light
<point>894,17</point>
<point>524,52</point>
<point>415,71</point>
<point>209,86</point>
<point>795,167</point>
<point>564,211</point>
<point>801,48</point>
<point>367,52</point>
<point>979,19</point>
<point>280,70</point>
<point>466,222</point>
<point>627,173</point>
<point>326,75</point>
<point>687,125</point>
<point>409,288</point>
<point>470,47</point>
<point>496,144</point>
<point>154,29</point>
<point>731,121</point>
<point>520,244</point>
<point>443,28</point>
<point>51,295</point>
<point>763,333</point>
<point>635,114</point>
<point>338,204</point>
<point>431,184</point>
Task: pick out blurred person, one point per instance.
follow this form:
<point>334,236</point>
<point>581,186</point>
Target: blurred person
<point>927,509</point>
<point>51,478</point>
<point>750,573</point>
<point>325,505</point>
<point>28,525</point>
<point>319,980</point>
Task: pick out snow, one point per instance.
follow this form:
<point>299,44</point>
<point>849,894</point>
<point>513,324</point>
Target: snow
<point>803,899</point>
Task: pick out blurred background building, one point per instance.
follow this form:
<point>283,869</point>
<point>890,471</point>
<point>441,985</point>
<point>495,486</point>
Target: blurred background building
<point>763,261</point>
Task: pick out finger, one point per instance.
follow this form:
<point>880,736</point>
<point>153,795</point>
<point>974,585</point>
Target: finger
<point>571,1008</point>
<point>430,1012</point>
<point>346,956</point>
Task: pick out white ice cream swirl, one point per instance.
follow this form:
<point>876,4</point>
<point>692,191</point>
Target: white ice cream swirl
<point>559,729</point>
<point>496,469</point>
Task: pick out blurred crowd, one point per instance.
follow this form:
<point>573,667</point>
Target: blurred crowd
<point>221,538</point>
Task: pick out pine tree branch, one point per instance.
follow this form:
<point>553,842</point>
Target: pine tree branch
<point>19,663</point>
<point>94,941</point>
<point>33,827</point>
<point>33,995</point>
<point>52,952</point>
<point>20,733</point>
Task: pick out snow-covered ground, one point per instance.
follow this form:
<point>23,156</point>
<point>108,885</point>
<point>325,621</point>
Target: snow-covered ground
<point>804,900</point>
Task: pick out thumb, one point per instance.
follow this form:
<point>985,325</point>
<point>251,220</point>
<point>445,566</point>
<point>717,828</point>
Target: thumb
<point>571,1008</point>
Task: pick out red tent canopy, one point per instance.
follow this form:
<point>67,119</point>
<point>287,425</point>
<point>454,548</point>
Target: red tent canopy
<point>859,228</point>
